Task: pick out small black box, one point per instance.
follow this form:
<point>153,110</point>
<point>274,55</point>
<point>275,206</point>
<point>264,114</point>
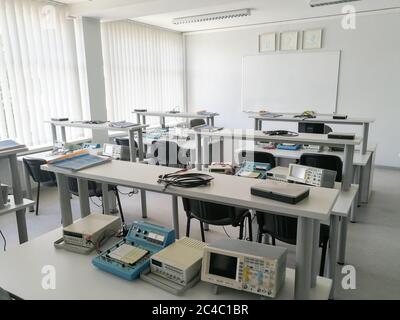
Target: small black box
<point>344,136</point>
<point>283,192</point>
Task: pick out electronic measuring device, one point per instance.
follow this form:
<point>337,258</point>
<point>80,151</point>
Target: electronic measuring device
<point>255,170</point>
<point>116,151</point>
<point>131,256</point>
<point>177,267</point>
<point>311,176</point>
<point>87,233</point>
<point>244,265</point>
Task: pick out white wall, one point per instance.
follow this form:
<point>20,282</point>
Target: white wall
<point>369,77</point>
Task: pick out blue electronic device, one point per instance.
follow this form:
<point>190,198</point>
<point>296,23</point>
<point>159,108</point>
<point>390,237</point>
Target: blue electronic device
<point>288,146</point>
<point>131,256</point>
<point>257,170</point>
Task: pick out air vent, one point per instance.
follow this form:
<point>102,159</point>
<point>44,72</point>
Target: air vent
<point>320,3</point>
<point>189,242</point>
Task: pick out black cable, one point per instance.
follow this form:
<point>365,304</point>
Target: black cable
<point>282,133</point>
<point>184,180</point>
<point>226,232</point>
<point>5,241</point>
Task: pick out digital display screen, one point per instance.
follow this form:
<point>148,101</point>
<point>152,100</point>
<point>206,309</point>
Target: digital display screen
<point>298,172</point>
<point>223,266</point>
<point>108,150</point>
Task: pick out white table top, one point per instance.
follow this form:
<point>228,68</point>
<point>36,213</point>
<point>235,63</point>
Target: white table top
<point>77,278</point>
<point>302,138</point>
<point>318,205</point>
<point>358,159</point>
<point>9,152</point>
<point>344,201</point>
<point>102,126</point>
<point>289,117</point>
<point>176,115</point>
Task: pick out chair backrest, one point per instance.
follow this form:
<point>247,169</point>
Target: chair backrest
<point>323,161</point>
<point>257,156</point>
<point>280,227</point>
<point>37,174</point>
<point>212,213</point>
<point>167,153</point>
<point>196,122</point>
<point>124,142</point>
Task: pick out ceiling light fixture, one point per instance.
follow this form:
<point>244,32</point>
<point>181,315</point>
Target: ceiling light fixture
<point>213,16</point>
<point>320,3</point>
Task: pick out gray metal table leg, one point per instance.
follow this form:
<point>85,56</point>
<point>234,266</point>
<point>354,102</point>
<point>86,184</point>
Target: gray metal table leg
<point>63,134</point>
<point>138,118</point>
<point>105,198</point>
<point>212,121</point>
<point>333,246</point>
<point>28,186</point>
<point>353,211</point>
<point>304,248</point>
<point>315,254</point>
<point>140,143</point>
<point>54,134</point>
<point>255,124</point>
<point>198,152</point>
<point>132,145</point>
<point>18,198</point>
<point>162,122</point>
<point>83,197</point>
<point>64,198</point>
<point>175,216</point>
<point>342,240</point>
<point>144,203</point>
<point>347,175</point>
<point>364,146</point>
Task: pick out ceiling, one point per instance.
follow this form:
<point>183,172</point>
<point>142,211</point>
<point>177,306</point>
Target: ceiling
<point>162,12</point>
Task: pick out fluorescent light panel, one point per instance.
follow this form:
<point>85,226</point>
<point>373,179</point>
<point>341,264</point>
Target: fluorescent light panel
<point>213,16</point>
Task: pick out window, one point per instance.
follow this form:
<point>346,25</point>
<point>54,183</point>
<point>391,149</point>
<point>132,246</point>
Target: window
<point>39,76</point>
<point>143,68</point>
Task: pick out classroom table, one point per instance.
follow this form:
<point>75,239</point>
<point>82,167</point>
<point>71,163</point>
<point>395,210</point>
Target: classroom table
<point>78,279</point>
<point>317,207</point>
<point>17,203</point>
<point>363,165</point>
<point>138,128</point>
<point>203,137</point>
<point>289,117</point>
<point>208,116</point>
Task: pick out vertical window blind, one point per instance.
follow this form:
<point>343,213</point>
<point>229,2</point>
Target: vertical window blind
<point>143,67</point>
<point>39,76</point>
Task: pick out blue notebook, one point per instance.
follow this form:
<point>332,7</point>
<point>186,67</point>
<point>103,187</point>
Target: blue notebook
<point>80,162</point>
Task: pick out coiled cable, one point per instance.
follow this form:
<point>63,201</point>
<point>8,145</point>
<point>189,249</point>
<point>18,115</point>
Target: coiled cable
<point>184,180</point>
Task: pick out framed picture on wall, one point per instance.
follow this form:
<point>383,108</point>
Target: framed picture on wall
<point>289,40</point>
<point>312,39</point>
<point>267,42</point>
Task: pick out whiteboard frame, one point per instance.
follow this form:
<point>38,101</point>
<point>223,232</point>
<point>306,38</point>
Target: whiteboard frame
<point>293,53</point>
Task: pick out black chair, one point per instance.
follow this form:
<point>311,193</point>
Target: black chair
<point>327,129</point>
<point>196,122</point>
<point>285,228</point>
<point>95,190</point>
<point>323,161</point>
<point>257,156</point>
<point>168,153</point>
<point>216,214</point>
<point>39,176</point>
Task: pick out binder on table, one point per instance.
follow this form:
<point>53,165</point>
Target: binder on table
<point>79,161</point>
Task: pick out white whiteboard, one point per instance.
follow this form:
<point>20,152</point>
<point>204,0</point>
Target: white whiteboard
<point>291,82</point>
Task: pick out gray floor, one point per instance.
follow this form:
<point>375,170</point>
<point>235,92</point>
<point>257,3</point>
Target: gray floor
<point>373,243</point>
